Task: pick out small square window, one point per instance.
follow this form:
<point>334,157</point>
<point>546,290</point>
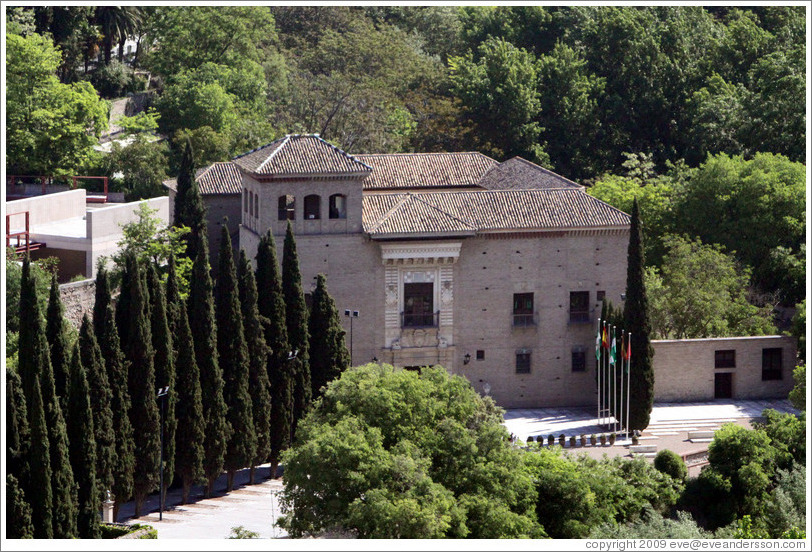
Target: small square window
<point>601,295</point>
<point>523,363</point>
<point>771,364</point>
<point>480,354</point>
<point>579,360</point>
<point>725,359</point>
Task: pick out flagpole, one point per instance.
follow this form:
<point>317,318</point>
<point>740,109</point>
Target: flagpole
<point>629,390</point>
<point>622,360</point>
<point>598,368</point>
<point>613,354</point>
<point>605,369</point>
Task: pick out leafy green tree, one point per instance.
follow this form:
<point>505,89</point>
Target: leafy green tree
<point>389,453</point>
<point>786,509</point>
<point>670,463</point>
<point>798,394</point>
<point>233,353</point>
<point>19,512</point>
<point>139,352</point>
<point>653,525</point>
<point>204,336</point>
<point>37,104</point>
<point>101,398</point>
<point>258,357</point>
<point>39,468</point>
<point>190,433</point>
<point>637,322</point>
<point>81,434</point>
<point>164,362</point>
<point>296,321</point>
<point>271,304</point>
<point>499,91</point>
<point>702,292</point>
<point>57,335</point>
<point>787,433</point>
<point>116,366</point>
<point>328,352</point>
<point>798,328</point>
<point>143,166</point>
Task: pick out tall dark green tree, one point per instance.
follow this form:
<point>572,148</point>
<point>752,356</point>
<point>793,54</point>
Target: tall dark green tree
<point>141,383</point>
<point>83,449</point>
<point>18,435</point>
<point>39,488</point>
<point>102,299</point>
<point>258,358</point>
<point>328,352</point>
<point>58,340</point>
<point>271,305</point>
<point>233,354</point>
<point>163,344</point>
<point>116,366</point>
<point>18,511</point>
<point>123,307</point>
<point>296,320</point>
<point>189,207</point>
<point>204,336</point>
<point>191,426</point>
<point>37,375</point>
<point>173,302</point>
<point>636,321</point>
<point>101,398</point>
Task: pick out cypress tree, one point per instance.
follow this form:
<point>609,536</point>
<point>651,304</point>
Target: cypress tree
<point>141,383</point>
<point>204,336</point>
<point>101,398</point>
<point>123,308</point>
<point>233,354</point>
<point>636,318</point>
<point>191,422</point>
<point>18,436</point>
<point>271,305</point>
<point>328,353</point>
<point>58,341</point>
<point>39,469</point>
<point>189,207</point>
<point>103,298</point>
<point>37,377</point>
<point>18,517</point>
<point>296,320</point>
<point>173,302</point>
<point>116,368</point>
<point>83,449</point>
<point>164,373</point>
<point>258,358</point>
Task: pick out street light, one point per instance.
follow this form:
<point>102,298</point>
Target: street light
<point>351,314</point>
<point>162,393</point>
<point>467,358</point>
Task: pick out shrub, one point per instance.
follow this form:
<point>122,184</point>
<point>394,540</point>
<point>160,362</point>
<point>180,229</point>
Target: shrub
<point>240,532</point>
<point>670,463</point>
<point>114,80</point>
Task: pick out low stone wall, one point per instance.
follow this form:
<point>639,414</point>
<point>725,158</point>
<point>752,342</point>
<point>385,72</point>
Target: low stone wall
<point>78,299</point>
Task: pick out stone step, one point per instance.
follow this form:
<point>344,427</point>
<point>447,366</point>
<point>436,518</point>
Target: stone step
<point>700,434</point>
<point>643,449</point>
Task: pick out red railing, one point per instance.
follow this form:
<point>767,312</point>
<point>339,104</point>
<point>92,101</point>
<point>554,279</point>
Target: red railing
<point>20,247</point>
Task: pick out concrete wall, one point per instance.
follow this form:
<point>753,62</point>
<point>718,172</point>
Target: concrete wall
<point>47,208</point>
<point>104,227</point>
<point>684,369</point>
<point>217,207</point>
<point>78,299</point>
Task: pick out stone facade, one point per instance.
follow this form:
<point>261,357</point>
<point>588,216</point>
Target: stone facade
<point>685,369</point>
<point>78,299</point>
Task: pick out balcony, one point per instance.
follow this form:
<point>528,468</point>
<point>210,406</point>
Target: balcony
<point>419,320</point>
<point>521,320</point>
<point>580,317</point>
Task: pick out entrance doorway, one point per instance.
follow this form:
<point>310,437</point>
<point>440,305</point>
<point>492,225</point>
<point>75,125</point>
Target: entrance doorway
<point>723,386</point>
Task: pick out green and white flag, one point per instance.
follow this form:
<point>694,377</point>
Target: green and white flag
<point>612,353</point>
<point>598,343</point>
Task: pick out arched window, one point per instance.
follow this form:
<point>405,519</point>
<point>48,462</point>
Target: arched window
<point>338,206</point>
<point>287,205</point>
<point>312,207</point>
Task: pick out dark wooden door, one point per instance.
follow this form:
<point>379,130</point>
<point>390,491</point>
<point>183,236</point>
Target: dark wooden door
<point>723,386</point>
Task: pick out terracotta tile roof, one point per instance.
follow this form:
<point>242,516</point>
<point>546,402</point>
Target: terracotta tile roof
<point>220,178</point>
<point>400,171</point>
<point>520,174</point>
<point>483,211</point>
<point>299,154</point>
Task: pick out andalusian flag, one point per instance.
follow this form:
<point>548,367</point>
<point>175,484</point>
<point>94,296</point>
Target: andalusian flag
<point>613,353</point>
<point>598,343</point>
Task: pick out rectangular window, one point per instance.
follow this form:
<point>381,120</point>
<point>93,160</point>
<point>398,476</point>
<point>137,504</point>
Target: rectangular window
<point>523,309</point>
<point>245,201</point>
<point>601,295</point>
<point>725,359</point>
<point>418,305</point>
<point>256,206</point>
<point>480,354</point>
<point>579,306</point>
<point>286,208</point>
<point>523,362</point>
<point>579,360</point>
<point>771,364</point>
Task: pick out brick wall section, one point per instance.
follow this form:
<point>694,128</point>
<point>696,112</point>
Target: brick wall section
<point>78,299</point>
<point>684,369</point>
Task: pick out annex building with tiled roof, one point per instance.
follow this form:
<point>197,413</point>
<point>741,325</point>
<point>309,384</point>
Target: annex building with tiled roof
<point>495,271</point>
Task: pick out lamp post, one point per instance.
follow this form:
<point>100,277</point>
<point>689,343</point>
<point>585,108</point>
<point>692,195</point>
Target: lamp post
<point>351,314</point>
<point>162,392</point>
